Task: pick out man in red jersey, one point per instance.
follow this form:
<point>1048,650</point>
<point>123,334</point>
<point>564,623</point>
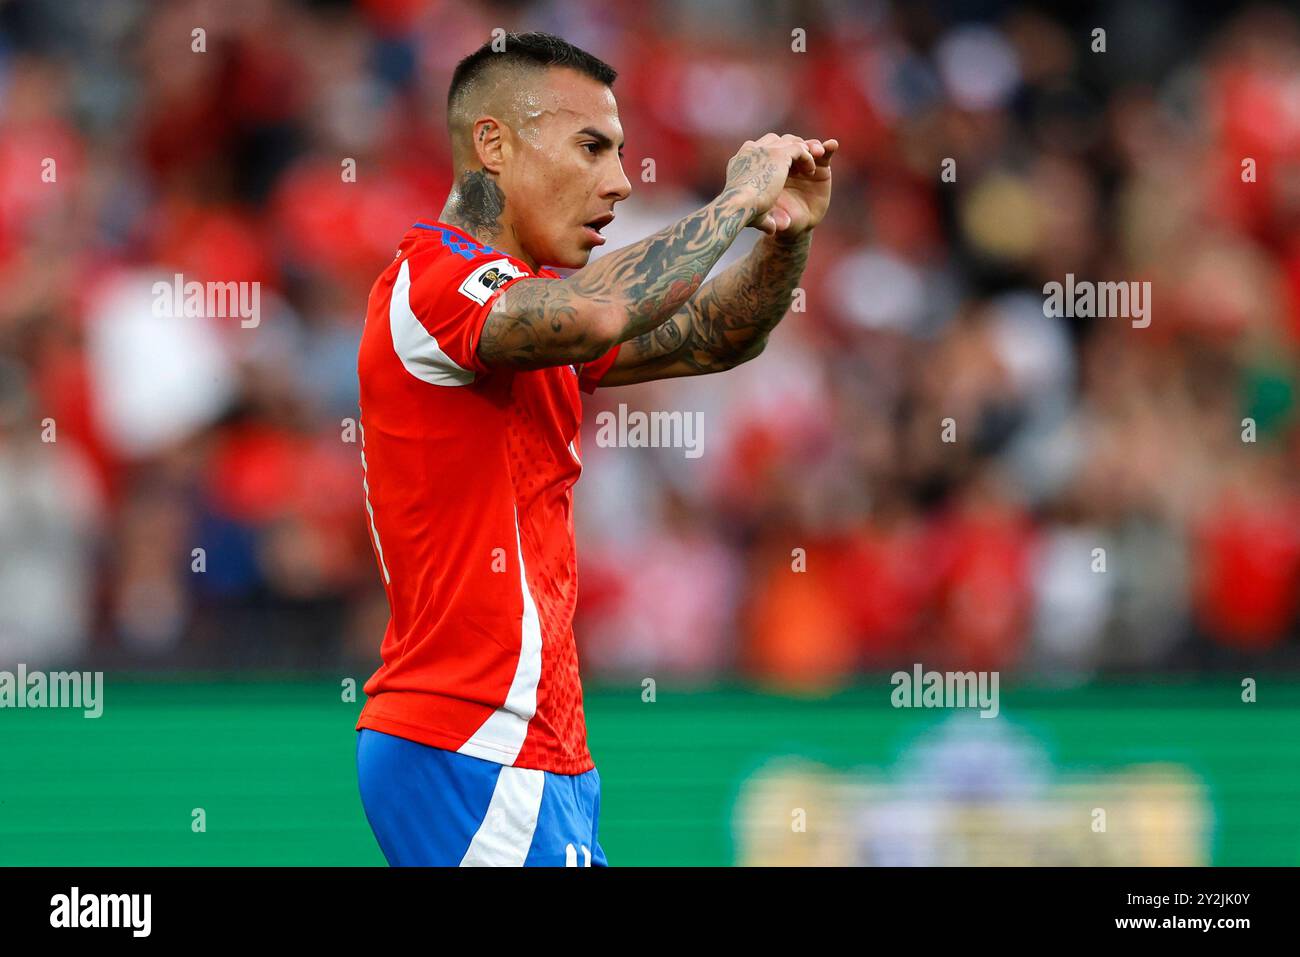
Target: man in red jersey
<point>472,745</point>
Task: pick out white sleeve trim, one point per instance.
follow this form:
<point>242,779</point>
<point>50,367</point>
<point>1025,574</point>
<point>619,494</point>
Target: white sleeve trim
<point>419,351</point>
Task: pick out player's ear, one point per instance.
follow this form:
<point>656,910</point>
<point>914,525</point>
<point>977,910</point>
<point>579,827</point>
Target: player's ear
<point>489,143</point>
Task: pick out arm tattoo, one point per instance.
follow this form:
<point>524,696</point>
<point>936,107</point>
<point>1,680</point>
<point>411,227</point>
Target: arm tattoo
<point>537,322</point>
<point>746,168</point>
<point>729,321</point>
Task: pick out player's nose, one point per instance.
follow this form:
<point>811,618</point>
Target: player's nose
<point>617,186</point>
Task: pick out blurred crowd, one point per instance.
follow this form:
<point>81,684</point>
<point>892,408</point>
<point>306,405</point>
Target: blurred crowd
<point>186,493</point>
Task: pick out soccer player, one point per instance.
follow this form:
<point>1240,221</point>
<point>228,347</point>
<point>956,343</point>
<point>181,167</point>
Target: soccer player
<point>471,748</point>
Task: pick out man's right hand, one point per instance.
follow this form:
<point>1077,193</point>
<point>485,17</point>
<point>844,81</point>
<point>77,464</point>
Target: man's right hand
<point>758,171</point>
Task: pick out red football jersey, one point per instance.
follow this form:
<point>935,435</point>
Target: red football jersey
<point>468,481</point>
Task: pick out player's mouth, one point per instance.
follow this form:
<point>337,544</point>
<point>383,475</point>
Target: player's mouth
<point>594,226</point>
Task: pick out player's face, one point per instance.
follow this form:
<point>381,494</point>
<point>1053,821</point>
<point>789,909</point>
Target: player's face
<point>567,169</point>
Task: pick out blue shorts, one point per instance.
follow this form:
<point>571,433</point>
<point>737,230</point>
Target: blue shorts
<point>429,807</point>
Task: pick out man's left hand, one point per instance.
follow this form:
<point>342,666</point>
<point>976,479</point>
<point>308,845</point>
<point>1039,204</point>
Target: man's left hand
<point>805,197</point>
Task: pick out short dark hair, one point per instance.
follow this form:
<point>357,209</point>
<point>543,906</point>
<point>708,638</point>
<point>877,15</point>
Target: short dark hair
<point>528,49</point>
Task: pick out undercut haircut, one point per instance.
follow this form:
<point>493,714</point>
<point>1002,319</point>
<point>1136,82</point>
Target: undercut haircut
<point>523,51</point>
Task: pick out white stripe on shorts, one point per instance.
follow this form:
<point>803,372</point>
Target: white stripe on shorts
<point>506,833</point>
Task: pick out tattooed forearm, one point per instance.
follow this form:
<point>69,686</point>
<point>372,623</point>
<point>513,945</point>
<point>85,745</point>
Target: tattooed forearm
<point>727,322</point>
<point>536,323</point>
<point>476,204</point>
<point>651,280</point>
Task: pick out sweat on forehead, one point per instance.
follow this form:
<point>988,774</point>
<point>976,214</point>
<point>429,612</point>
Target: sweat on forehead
<point>524,94</point>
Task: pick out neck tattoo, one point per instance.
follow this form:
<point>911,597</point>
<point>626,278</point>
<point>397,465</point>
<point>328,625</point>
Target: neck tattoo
<point>478,205</point>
